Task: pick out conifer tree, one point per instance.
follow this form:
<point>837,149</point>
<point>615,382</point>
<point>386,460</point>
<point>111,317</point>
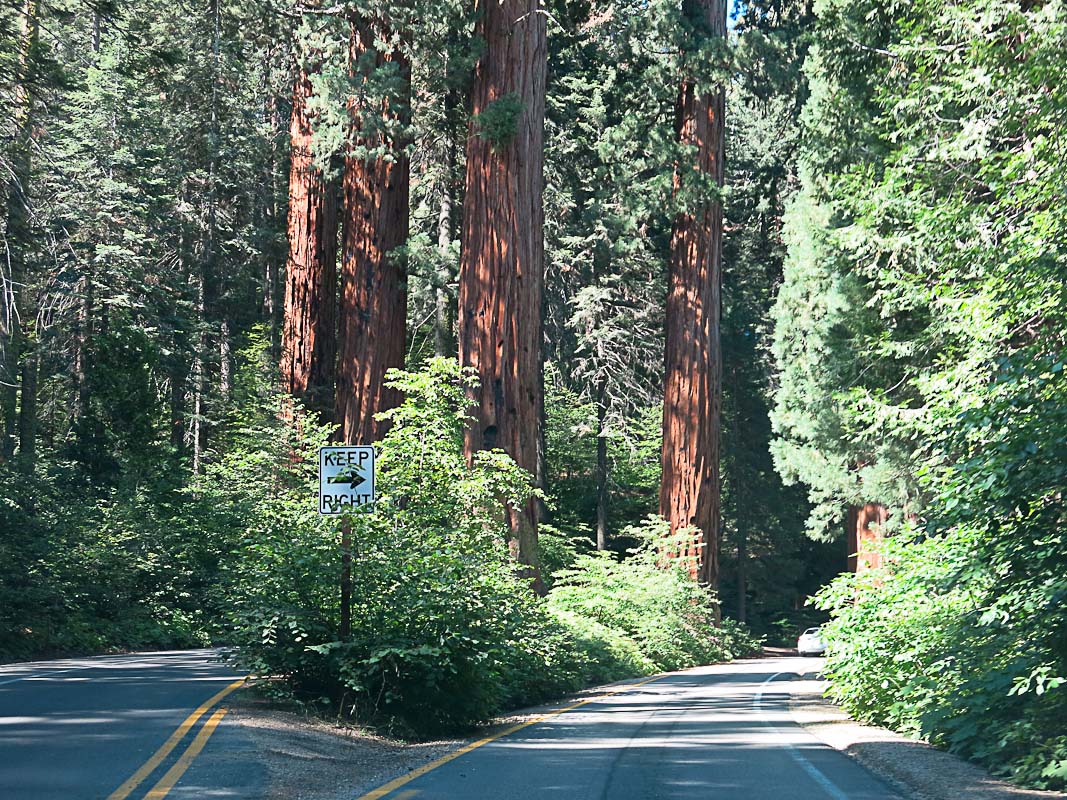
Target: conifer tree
<point>373,312</point>
<point>692,398</point>
<point>502,268</point>
<point>309,336</point>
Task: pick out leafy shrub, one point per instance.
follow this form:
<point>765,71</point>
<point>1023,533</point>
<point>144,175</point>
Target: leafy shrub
<point>656,605</point>
<point>913,646</point>
<point>444,635</point>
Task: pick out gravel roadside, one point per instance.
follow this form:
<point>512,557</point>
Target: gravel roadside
<point>915,768</point>
<point>311,759</point>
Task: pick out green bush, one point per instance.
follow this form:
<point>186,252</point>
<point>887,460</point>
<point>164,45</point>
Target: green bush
<point>444,634</point>
<point>913,646</point>
<point>649,599</point>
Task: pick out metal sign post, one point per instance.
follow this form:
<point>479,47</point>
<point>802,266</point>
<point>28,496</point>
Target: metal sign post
<point>346,483</point>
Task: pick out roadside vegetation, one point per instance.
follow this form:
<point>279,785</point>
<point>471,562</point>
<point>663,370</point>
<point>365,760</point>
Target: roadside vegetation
<point>444,634</point>
<point>234,232</point>
<point>921,336</point>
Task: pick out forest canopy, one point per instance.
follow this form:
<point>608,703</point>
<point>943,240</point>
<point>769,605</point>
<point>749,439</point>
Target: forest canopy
<point>661,316</point>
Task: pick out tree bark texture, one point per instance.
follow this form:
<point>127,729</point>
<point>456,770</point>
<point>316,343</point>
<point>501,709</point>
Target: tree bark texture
<point>309,342</point>
<point>865,526</point>
<point>373,317</point>
<point>442,324</point>
<point>502,265</point>
<point>444,338</point>
<point>13,277</point>
<point>689,492</point>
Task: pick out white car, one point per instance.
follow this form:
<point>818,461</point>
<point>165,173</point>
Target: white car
<point>811,643</point>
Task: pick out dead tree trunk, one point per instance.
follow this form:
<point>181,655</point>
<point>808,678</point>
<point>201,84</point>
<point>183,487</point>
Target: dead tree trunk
<point>309,342</point>
<point>601,467</point>
<point>502,265</point>
<point>689,492</point>
<point>373,317</point>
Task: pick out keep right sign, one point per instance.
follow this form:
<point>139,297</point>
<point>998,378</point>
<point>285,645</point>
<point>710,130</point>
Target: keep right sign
<point>346,478</point>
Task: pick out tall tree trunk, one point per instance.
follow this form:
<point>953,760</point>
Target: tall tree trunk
<point>199,375</point>
<point>502,267</point>
<point>442,323</point>
<point>27,459</point>
<point>82,342</point>
<point>225,362</point>
<point>444,314</point>
<point>177,405</point>
<point>309,341</point>
<point>269,305</point>
<point>601,468</point>
<point>742,575</point>
<point>373,318</point>
<point>13,279</point>
<point>865,528</point>
<point>689,492</point>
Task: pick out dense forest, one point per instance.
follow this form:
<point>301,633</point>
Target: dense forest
<point>663,317</point>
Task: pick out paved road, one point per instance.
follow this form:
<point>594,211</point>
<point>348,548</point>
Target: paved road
<point>715,733</point>
<point>79,729</point>
<point>150,726</point>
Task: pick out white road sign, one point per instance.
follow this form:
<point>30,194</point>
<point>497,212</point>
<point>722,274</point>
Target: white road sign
<point>346,478</point>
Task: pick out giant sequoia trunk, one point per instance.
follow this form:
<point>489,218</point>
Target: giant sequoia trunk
<point>502,266</point>
<point>689,492</point>
<point>373,314</point>
<point>865,532</point>
<point>309,342</point>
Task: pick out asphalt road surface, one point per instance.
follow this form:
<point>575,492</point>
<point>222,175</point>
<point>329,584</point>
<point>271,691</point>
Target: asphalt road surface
<point>153,726</point>
<point>714,733</point>
<point>147,725</point>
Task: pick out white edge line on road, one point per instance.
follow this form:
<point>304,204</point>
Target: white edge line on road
<point>814,772</point>
<point>41,675</point>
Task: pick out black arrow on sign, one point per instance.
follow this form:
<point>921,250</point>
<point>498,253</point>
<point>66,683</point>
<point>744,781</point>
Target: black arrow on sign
<point>354,480</point>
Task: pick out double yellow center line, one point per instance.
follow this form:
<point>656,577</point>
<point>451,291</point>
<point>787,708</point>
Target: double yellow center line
<point>182,764</point>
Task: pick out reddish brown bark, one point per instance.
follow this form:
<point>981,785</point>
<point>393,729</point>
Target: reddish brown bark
<point>309,343</point>
<point>689,492</point>
<point>373,315</point>
<point>502,265</point>
<point>865,528</point>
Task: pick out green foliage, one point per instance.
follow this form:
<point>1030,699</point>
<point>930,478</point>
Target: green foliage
<point>633,455</point>
<point>920,338</point>
<point>656,606</point>
<point>498,123</point>
<point>444,635</point>
<point>922,647</point>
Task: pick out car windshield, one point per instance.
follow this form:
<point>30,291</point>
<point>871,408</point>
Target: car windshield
<point>810,631</point>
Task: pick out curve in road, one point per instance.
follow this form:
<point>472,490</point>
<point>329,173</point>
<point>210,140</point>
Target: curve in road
<point>121,727</point>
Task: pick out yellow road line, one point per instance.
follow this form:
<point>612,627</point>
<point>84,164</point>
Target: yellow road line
<point>157,758</point>
<point>166,783</point>
<point>393,785</point>
<point>407,795</point>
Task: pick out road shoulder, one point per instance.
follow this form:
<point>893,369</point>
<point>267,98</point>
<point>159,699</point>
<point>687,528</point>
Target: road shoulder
<point>915,768</point>
<point>312,759</point>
